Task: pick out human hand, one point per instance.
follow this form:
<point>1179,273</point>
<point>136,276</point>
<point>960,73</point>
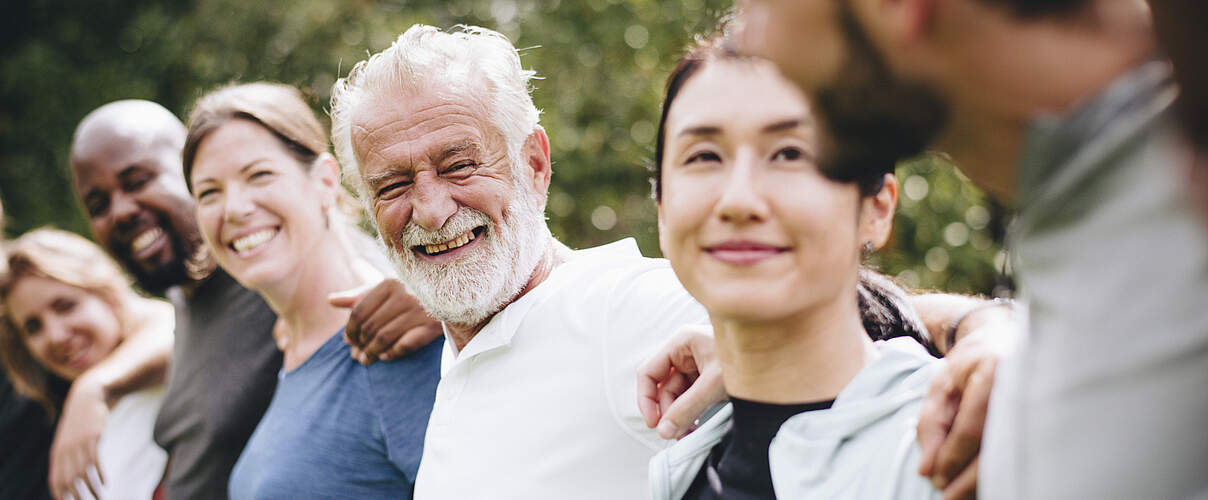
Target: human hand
<point>74,450</point>
<point>954,411</point>
<point>386,322</point>
<point>680,382</point>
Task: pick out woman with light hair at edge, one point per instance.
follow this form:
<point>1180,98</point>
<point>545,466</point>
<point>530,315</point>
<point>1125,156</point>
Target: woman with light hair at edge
<point>64,307</point>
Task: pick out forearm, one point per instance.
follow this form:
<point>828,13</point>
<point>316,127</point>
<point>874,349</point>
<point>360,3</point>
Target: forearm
<point>141,360</point>
<point>950,317</point>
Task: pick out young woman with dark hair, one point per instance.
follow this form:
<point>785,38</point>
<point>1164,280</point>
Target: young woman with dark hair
<point>821,405</point>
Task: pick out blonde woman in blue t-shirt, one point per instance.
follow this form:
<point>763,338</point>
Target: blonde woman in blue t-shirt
<point>269,207</point>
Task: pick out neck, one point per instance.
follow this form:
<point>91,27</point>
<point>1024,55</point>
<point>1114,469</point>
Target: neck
<point>301,301</point>
<point>1008,73</point>
<point>555,254</point>
<point>810,356</point>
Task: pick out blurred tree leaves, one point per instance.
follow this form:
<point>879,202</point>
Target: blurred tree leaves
<point>602,62</point>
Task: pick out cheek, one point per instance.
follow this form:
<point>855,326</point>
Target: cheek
<point>99,318</point>
<point>38,348</point>
<point>209,222</point>
<point>391,217</point>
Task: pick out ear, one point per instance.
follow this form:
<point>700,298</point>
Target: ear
<point>536,153</point>
<point>876,213</point>
<point>325,172</point>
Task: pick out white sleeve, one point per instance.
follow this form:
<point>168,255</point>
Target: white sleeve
<point>645,309</point>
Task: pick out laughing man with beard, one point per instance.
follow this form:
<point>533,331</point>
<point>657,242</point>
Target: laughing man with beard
<point>126,163</point>
<point>536,400</point>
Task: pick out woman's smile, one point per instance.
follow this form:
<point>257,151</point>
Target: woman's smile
<point>743,252</point>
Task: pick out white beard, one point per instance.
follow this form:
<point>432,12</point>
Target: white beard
<point>480,284</point>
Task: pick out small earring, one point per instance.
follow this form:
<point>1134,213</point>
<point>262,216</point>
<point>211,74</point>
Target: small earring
<point>867,249</point>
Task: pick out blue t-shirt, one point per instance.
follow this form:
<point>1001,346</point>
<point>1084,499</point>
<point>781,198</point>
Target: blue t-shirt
<point>337,429</point>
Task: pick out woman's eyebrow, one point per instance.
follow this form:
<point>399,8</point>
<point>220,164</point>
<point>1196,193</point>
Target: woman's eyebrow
<point>782,125</point>
<point>701,130</point>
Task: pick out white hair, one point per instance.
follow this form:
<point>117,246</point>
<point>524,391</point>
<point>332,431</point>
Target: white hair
<point>466,60</point>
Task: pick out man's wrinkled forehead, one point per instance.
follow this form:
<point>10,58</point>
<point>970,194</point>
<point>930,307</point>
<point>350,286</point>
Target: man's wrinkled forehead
<point>409,126</point>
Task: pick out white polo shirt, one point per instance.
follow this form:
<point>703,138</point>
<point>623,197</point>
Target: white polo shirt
<point>541,404</point>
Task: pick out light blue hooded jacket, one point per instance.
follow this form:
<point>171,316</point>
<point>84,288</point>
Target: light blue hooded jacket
<point>863,447</point>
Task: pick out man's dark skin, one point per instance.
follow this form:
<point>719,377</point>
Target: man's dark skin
<point>126,164</point>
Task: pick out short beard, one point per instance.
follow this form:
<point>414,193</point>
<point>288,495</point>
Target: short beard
<point>873,119</point>
<point>474,288</point>
<point>191,261</point>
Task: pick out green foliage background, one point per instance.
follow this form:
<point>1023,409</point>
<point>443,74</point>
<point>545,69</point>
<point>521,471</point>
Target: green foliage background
<point>603,62</point>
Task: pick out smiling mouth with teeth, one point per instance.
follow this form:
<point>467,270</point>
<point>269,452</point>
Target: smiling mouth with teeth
<point>252,241</point>
<point>448,246</point>
<point>145,239</point>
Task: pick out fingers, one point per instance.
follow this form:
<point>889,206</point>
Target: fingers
<point>349,298</point>
<point>935,418</point>
<point>95,463</point>
<point>651,374</point>
<point>92,488</point>
<point>413,340</point>
<point>680,415</point>
<point>380,339</point>
<point>964,487</point>
<point>363,311</point>
<point>388,322</point>
<point>964,439</point>
<point>672,388</point>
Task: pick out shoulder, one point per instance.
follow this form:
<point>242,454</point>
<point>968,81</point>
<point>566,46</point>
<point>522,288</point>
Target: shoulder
<point>400,384</point>
<point>612,264</point>
<point>424,362</point>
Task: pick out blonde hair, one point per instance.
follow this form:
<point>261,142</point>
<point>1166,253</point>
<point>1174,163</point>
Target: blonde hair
<point>69,259</point>
<point>278,108</point>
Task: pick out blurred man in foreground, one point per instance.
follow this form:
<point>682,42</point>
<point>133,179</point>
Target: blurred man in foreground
<point>1060,107</point>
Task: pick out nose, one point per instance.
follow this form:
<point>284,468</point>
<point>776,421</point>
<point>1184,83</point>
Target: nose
<point>237,205</point>
<point>740,201</point>
<point>124,209</point>
<point>56,331</point>
<point>431,203</point>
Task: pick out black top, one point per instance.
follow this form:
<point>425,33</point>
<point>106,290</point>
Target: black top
<point>224,371</point>
<point>25,436</point>
<point>737,467</point>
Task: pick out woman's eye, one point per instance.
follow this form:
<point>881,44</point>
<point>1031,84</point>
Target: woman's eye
<point>703,156</point>
<point>63,305</point>
<point>789,154</point>
<point>205,194</point>
<point>260,175</point>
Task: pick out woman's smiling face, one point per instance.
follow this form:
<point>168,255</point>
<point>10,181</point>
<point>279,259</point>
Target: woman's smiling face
<point>752,228</point>
<point>67,329</point>
<point>260,211</point>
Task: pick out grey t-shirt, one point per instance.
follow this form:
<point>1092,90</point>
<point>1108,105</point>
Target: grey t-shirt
<point>224,372</point>
<point>1106,398</point>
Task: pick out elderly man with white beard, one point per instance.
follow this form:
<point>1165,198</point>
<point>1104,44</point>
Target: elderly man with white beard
<point>441,138</point>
